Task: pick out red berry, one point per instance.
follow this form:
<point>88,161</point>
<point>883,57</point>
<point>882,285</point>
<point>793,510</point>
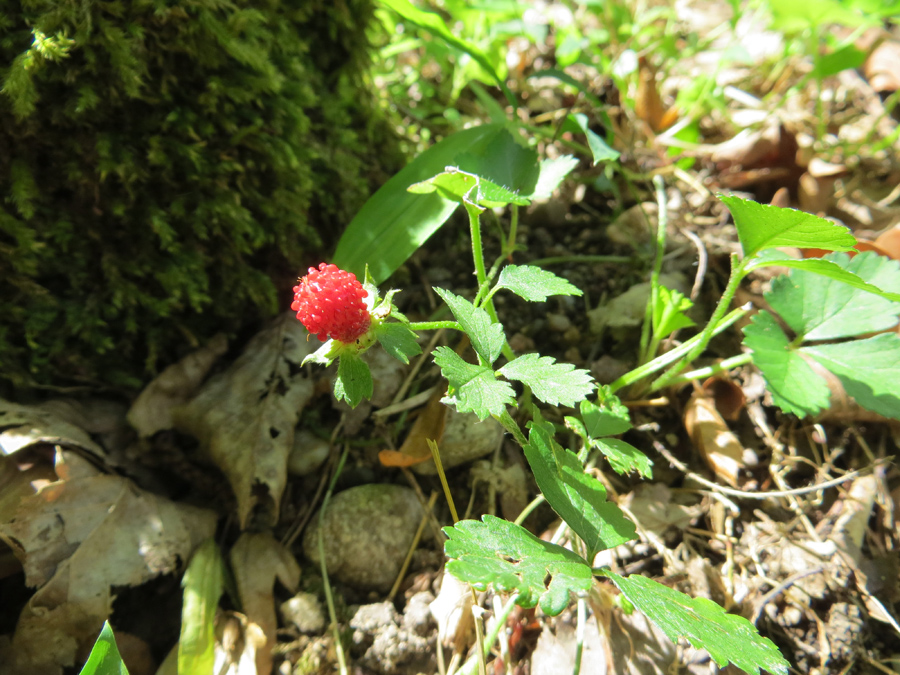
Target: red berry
<point>329,302</point>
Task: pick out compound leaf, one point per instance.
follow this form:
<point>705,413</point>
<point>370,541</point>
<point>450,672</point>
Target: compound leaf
<point>551,382</point>
<point>398,340</point>
<point>624,457</point>
<point>794,385</point>
<point>473,388</point>
<point>869,370</point>
<point>578,498</point>
<point>533,283</point>
<point>761,226</point>
<point>669,313</point>
<point>498,552</point>
<point>706,625</point>
<point>605,418</point>
<point>486,336</point>
<point>462,186</point>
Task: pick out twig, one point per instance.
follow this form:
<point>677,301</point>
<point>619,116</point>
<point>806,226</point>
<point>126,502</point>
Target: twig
<point>781,588</point>
<point>329,598</point>
<point>772,494</point>
<point>412,547</point>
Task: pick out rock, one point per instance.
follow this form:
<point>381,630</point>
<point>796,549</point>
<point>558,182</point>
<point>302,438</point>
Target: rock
<point>558,323</point>
<point>385,645</point>
<point>368,530</point>
<point>304,611</point>
<point>307,454</point>
<point>465,439</point>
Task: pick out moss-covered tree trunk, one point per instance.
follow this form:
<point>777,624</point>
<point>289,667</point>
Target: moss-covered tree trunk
<point>158,159</point>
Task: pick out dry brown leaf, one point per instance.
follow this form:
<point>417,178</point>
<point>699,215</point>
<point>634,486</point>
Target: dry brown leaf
<point>429,425</point>
<point>452,610</point>
<point>23,426</point>
<point>727,395</point>
<point>79,537</point>
<point>881,68</point>
<point>719,447</point>
<point>648,105</point>
<point>244,418</point>
<point>257,561</point>
<point>173,387</point>
<point>889,242</point>
<point>655,511</point>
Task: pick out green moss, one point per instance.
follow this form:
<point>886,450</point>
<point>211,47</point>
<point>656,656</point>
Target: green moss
<point>160,162</point>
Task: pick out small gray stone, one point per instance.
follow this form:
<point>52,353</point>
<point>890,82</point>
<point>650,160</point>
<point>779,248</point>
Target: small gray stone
<point>304,611</point>
<point>465,439</point>
<point>307,454</point>
<point>387,647</point>
<point>558,323</point>
<point>367,531</point>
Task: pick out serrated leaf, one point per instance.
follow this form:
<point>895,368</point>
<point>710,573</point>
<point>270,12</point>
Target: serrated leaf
<point>706,625</point>
<point>824,268</point>
<point>354,380</point>
<point>552,172</point>
<point>578,498</point>
<point>104,658</point>
<point>486,336</point>
<point>325,354</point>
<point>551,382</point>
<point>462,186</point>
<point>475,387</point>
<point>762,226</point>
<point>498,552</point>
<point>608,418</point>
<point>203,583</point>
<point>668,313</point>
<point>398,340</point>
<point>794,386</point>
<point>599,149</point>
<point>533,283</point>
<point>869,370</point>
<point>624,457</point>
<point>506,163</point>
<point>825,309</point>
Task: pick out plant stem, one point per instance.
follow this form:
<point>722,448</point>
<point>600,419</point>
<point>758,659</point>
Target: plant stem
<point>670,357</point>
<point>433,325</point>
<point>653,300</point>
<point>329,598</point>
<point>715,369</point>
<point>510,425</point>
<point>737,275</point>
<point>532,505</point>
<point>555,260</point>
<point>499,624</point>
<point>513,227</point>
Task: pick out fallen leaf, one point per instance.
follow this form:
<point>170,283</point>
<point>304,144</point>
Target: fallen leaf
<point>648,105</point>
<point>719,447</point>
<point>24,426</point>
<point>728,397</point>
<point>244,418</point>
<point>452,610</point>
<point>257,561</point>
<point>881,67</point>
<point>889,242</point>
<point>173,387</point>
<point>77,539</point>
<point>429,425</point>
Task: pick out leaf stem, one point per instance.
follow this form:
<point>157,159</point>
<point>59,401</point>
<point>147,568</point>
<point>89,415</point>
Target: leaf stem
<point>670,357</point>
<point>434,325</point>
<point>662,223</point>
<point>510,425</point>
<point>715,369</point>
<point>499,624</point>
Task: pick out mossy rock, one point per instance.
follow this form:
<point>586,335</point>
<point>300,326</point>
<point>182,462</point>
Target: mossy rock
<point>161,163</point>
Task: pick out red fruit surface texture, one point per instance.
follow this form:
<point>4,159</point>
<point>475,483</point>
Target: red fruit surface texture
<point>329,302</point>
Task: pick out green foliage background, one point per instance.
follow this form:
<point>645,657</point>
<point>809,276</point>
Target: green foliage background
<point>161,161</point>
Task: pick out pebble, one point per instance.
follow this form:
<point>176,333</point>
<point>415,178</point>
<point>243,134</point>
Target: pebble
<point>465,439</point>
<point>558,323</point>
<point>307,454</point>
<point>368,530</point>
<point>304,611</point>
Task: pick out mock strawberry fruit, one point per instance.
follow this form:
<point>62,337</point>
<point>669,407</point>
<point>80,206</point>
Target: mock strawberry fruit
<point>329,302</point>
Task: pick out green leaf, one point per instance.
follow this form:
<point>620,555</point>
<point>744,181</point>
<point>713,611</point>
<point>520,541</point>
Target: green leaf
<point>761,226</point>
<point>463,186</point>
<point>354,380</point>
<point>599,149</point>
<point>398,340</point>
<point>473,388</point>
<point>505,163</point>
<point>869,370</point>
<point>533,283</point>
<point>605,418</point>
<point>624,457</point>
<point>668,313</point>
<point>498,552</point>
<point>706,625</point>
<point>203,583</point>
<point>578,498</point>
<point>551,174</point>
<point>435,25</point>
<point>822,267</point>
<point>825,309</point>
<point>394,223</point>
<point>486,336</point>
<point>794,386</point>
<point>843,58</point>
<point>105,658</point>
<point>551,382</point>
